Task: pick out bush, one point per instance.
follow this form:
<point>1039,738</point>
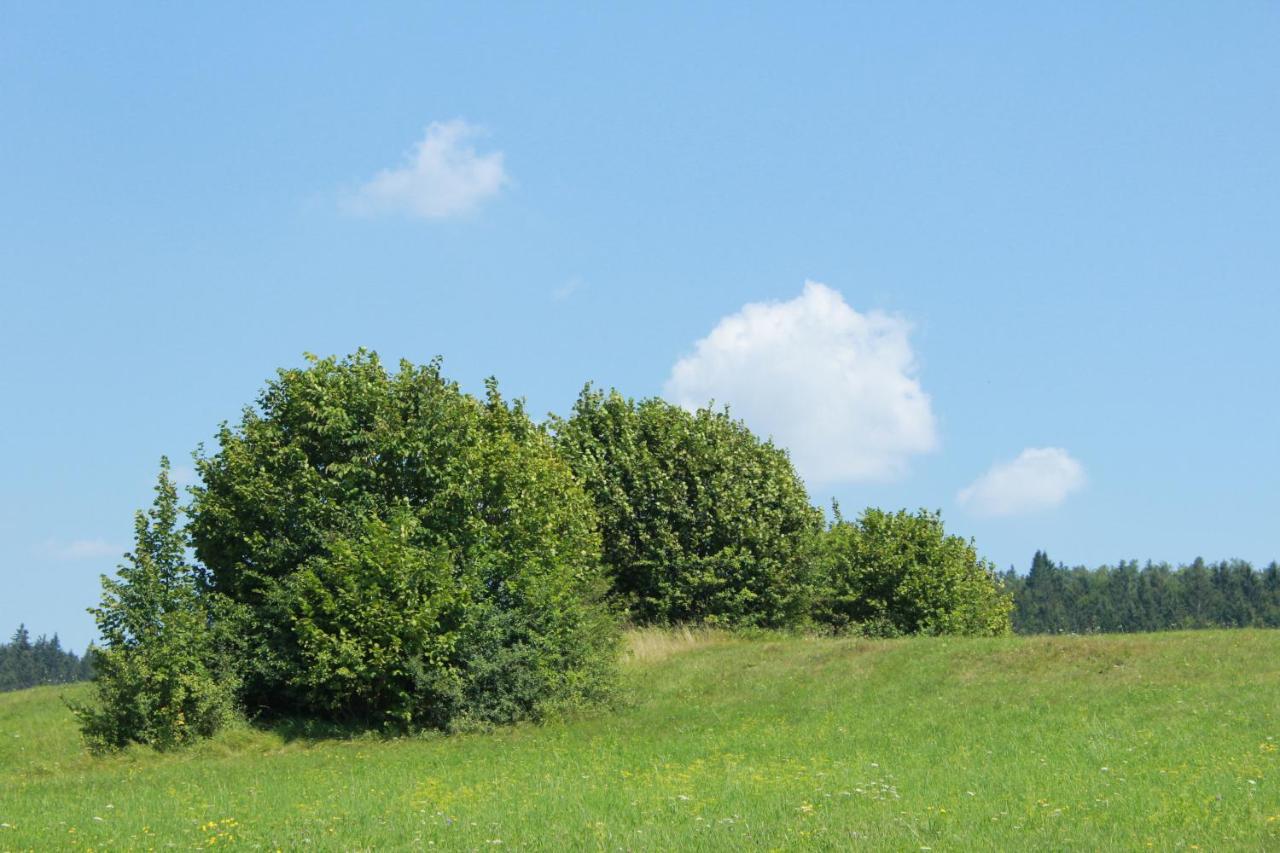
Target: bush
<point>161,677</point>
<point>889,574</point>
<point>405,554</point>
<point>701,520</point>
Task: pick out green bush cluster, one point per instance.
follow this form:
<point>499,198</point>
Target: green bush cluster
<point>889,574</point>
<point>702,521</point>
<point>380,528</point>
<point>372,547</point>
<point>380,548</point>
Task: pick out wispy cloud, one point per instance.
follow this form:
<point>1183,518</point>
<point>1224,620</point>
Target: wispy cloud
<point>570,287</point>
<point>183,475</point>
<point>1039,478</point>
<point>838,388</point>
<point>80,549</point>
<point>444,176</point>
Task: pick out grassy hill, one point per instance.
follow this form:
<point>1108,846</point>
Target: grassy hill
<point>1167,741</point>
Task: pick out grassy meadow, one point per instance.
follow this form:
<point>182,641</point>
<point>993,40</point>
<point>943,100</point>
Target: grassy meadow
<point>1167,742</point>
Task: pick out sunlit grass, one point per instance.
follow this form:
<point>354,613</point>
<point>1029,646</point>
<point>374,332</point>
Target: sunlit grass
<point>651,645</point>
<point>1165,742</point>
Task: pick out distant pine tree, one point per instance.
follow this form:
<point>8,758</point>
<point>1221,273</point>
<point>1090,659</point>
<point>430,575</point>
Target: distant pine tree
<point>24,663</point>
<point>1052,599</point>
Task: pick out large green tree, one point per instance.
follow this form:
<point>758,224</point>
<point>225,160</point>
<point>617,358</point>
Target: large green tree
<point>701,520</point>
<point>402,552</point>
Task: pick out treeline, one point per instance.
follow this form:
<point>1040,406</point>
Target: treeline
<point>26,663</point>
<point>378,547</point>
<point>1054,599</point>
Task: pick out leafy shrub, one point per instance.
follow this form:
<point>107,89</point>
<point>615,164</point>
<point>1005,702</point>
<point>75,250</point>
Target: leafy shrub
<point>889,574</point>
<point>701,520</point>
<point>161,677</point>
<point>405,554</point>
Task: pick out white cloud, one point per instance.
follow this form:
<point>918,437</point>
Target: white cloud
<point>81,549</point>
<point>443,177</point>
<point>1040,478</point>
<point>836,387</point>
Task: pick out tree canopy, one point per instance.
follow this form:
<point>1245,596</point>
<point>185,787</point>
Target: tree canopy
<point>900,573</point>
<point>401,552</point>
<point>701,520</point>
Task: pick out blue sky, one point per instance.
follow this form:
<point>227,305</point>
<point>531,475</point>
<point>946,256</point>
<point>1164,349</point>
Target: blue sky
<point>1045,237</point>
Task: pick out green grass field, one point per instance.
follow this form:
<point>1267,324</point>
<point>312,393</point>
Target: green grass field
<point>1167,742</point>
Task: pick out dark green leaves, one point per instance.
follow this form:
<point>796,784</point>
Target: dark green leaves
<point>389,534</point>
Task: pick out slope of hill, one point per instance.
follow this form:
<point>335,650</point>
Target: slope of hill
<point>1167,741</point>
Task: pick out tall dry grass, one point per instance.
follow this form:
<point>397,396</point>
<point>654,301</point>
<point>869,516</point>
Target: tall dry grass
<point>650,645</point>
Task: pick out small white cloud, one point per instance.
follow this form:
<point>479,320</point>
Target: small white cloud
<point>1040,478</point>
<point>444,176</point>
<point>182,475</point>
<point>81,549</point>
<point>835,387</point>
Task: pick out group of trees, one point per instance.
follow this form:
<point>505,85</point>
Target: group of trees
<point>370,547</point>
<point>27,663</point>
<point>1052,598</point>
<point>380,547</point>
<point>704,522</point>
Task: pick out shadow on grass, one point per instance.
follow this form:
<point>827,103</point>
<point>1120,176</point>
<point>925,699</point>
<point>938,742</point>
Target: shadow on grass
<point>294,729</point>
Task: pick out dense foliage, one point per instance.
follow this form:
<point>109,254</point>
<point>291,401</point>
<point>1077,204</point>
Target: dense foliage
<point>1052,598</point>
<point>27,663</point>
<point>160,677</point>
<point>402,553</point>
<point>379,547</point>
<point>701,520</point>
<point>888,574</point>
